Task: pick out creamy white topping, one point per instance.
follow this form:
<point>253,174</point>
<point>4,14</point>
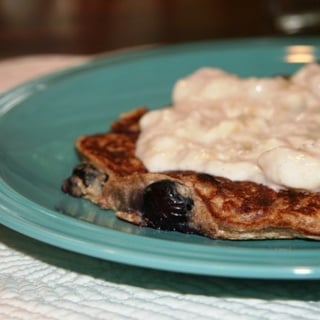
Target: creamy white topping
<point>265,130</point>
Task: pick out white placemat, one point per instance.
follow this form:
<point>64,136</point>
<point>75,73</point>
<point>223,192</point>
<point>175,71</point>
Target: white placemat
<point>38,281</point>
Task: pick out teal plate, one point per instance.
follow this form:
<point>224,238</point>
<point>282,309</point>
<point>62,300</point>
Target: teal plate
<point>40,120</point>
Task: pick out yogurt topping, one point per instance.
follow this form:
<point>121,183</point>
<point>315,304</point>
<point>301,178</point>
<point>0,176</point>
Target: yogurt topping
<point>265,130</point>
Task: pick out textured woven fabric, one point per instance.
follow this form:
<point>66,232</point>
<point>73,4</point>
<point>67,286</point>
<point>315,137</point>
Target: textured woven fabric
<point>38,281</point>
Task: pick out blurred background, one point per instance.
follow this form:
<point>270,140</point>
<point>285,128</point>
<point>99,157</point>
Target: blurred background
<point>96,26</point>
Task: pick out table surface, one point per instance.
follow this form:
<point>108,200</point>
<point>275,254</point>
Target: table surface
<point>38,281</point>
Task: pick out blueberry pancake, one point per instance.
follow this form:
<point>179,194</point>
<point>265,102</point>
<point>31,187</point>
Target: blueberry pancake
<point>113,177</point>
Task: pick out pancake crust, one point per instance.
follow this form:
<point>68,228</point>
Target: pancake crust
<point>111,176</point>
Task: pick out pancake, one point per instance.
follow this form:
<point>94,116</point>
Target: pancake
<point>111,176</point>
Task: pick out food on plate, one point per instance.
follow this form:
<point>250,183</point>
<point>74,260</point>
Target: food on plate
<point>231,158</point>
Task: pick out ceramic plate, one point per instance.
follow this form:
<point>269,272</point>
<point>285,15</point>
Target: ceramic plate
<point>40,120</point>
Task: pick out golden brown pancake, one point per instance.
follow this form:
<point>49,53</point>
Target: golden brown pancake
<point>111,176</point>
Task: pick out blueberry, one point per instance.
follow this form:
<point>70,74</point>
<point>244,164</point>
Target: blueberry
<point>165,208</point>
<point>84,177</point>
<point>87,173</point>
